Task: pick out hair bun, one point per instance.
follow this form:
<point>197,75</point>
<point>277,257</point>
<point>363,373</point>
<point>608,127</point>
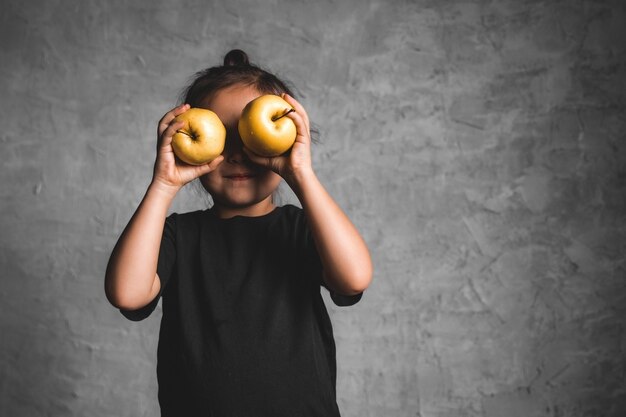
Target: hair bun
<point>236,57</point>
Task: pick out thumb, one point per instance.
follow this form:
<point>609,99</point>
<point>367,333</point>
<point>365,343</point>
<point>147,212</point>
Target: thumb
<point>257,159</point>
<point>206,168</point>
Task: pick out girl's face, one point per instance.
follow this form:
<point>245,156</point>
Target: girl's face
<point>238,186</point>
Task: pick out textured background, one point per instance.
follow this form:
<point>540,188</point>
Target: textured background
<point>479,146</point>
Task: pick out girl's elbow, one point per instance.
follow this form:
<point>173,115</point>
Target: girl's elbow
<point>363,278</point>
<point>355,283</point>
<point>129,299</point>
<point>118,300</point>
<point>126,303</point>
<point>361,282</point>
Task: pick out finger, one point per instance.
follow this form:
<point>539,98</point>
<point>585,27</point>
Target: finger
<point>302,130</point>
<point>272,163</point>
<point>171,115</point>
<point>166,138</point>
<point>299,108</point>
<point>257,159</point>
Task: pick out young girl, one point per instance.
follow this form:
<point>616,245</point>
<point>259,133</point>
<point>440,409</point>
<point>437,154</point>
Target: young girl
<point>244,331</point>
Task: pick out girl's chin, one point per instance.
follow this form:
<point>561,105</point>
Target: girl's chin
<point>243,202</point>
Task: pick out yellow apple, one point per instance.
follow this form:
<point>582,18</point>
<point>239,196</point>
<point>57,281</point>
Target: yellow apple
<point>202,137</point>
<point>263,127</point>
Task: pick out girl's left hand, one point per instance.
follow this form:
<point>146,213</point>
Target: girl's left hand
<point>297,161</point>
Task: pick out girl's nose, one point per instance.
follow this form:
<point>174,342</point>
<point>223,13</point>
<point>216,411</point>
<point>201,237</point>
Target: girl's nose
<point>233,151</point>
<point>236,157</point>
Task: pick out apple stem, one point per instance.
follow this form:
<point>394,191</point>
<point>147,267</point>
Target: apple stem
<point>286,113</point>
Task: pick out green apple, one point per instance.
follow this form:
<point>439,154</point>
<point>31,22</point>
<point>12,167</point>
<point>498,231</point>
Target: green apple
<point>264,129</point>
<point>202,137</point>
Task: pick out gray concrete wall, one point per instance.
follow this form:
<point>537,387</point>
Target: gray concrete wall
<point>480,146</point>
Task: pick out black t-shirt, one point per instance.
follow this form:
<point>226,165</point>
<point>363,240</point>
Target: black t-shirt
<point>244,331</point>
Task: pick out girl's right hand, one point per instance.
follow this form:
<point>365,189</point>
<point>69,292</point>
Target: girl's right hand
<point>169,171</point>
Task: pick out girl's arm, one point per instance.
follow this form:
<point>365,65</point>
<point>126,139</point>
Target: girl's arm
<point>345,258</point>
<point>131,280</point>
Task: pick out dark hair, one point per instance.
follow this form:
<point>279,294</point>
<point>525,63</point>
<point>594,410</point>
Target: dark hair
<point>236,69</point>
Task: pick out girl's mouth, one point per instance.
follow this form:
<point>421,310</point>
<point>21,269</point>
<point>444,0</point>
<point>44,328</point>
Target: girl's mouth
<point>240,177</point>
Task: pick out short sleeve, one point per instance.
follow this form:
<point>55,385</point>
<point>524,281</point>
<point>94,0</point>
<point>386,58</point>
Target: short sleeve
<point>165,266</point>
<point>167,252</point>
<point>345,300</point>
